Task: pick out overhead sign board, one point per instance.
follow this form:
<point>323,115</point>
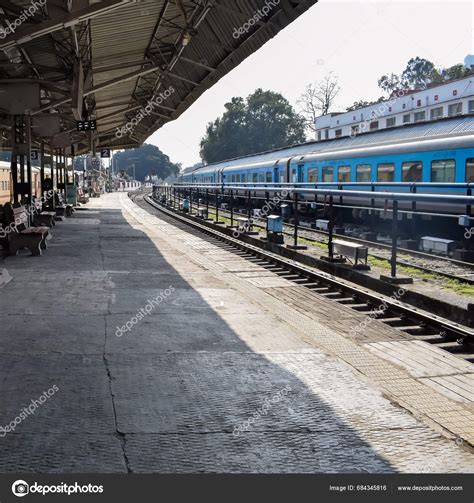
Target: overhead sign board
<point>86,125</point>
<point>105,153</point>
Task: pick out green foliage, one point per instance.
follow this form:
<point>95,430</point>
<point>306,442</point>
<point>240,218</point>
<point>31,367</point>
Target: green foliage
<point>421,73</point>
<point>146,159</point>
<point>361,104</point>
<point>264,121</point>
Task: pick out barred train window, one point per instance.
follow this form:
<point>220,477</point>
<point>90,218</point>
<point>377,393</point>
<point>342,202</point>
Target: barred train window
<point>261,178</point>
<point>386,172</point>
<point>328,174</point>
<point>470,106</point>
<point>344,174</point>
<point>269,177</point>
<point>470,169</point>
<point>412,171</point>
<point>312,175</point>
<point>363,172</point>
<point>391,122</point>
<point>254,177</point>
<point>443,170</point>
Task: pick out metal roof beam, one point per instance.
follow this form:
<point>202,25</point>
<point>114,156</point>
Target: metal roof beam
<point>70,19</point>
<point>101,87</point>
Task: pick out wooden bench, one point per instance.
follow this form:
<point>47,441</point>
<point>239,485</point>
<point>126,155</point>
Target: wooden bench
<point>24,236</point>
<point>61,207</point>
<point>354,251</point>
<point>82,197</point>
<point>42,218</point>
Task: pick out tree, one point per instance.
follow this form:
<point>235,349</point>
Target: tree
<point>361,104</point>
<point>263,121</point>
<point>455,72</point>
<point>145,158</point>
<point>420,74</point>
<point>317,99</point>
<point>390,83</point>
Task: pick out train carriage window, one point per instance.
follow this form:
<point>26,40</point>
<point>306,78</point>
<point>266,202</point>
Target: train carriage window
<point>238,178</point>
<point>386,172</point>
<point>261,177</point>
<point>313,175</point>
<point>254,177</point>
<point>293,176</point>
<point>470,106</point>
<point>269,177</point>
<point>412,171</point>
<point>470,170</point>
<point>363,172</point>
<point>328,174</point>
<point>344,174</point>
<point>243,178</point>
<point>443,171</point>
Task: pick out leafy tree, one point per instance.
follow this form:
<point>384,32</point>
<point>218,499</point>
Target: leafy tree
<point>361,104</point>
<point>263,121</point>
<point>455,72</point>
<point>317,99</point>
<point>146,159</point>
<point>421,74</point>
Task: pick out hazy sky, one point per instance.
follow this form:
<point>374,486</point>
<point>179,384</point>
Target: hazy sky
<point>358,40</point>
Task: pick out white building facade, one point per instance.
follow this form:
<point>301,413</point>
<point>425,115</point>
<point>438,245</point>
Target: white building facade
<point>404,107</point>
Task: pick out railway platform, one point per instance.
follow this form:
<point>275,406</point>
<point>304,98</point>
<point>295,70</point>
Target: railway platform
<point>135,344</point>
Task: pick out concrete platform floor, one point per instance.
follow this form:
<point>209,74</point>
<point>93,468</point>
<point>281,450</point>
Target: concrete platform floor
<point>227,371</point>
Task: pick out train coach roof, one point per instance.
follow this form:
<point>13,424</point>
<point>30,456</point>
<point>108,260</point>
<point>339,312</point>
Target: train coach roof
<point>445,128</point>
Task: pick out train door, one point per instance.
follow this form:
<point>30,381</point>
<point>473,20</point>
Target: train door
<point>275,173</point>
<point>300,173</point>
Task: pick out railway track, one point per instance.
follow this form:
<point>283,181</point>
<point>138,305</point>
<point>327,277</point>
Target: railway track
<point>419,325</point>
<point>445,267</point>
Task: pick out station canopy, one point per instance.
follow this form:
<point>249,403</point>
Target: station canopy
<point>131,66</point>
